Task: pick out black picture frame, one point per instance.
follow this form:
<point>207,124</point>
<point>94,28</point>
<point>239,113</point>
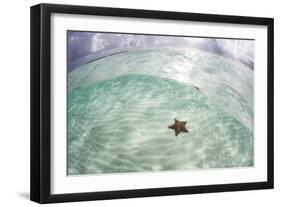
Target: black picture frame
<point>41,99</point>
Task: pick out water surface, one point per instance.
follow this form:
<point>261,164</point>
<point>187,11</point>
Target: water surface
<point>120,107</point>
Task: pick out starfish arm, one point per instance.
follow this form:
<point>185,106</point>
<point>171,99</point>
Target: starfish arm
<point>171,127</point>
<point>184,130</point>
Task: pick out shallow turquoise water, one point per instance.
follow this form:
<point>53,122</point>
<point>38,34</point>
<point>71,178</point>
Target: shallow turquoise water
<point>120,107</point>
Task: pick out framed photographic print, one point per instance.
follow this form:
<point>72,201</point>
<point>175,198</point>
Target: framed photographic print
<point>132,103</point>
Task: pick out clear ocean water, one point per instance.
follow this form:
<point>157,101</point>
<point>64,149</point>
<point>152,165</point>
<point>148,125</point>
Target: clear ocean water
<point>120,107</point>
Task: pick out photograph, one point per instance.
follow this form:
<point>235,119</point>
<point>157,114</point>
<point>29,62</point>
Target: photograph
<point>143,103</point>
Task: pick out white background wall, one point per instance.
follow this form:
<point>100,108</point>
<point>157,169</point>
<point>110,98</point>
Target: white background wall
<point>14,109</point>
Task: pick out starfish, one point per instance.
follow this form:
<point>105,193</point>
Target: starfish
<point>178,126</point>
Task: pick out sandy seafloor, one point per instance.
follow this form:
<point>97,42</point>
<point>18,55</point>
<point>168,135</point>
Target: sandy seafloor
<point>120,107</point>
